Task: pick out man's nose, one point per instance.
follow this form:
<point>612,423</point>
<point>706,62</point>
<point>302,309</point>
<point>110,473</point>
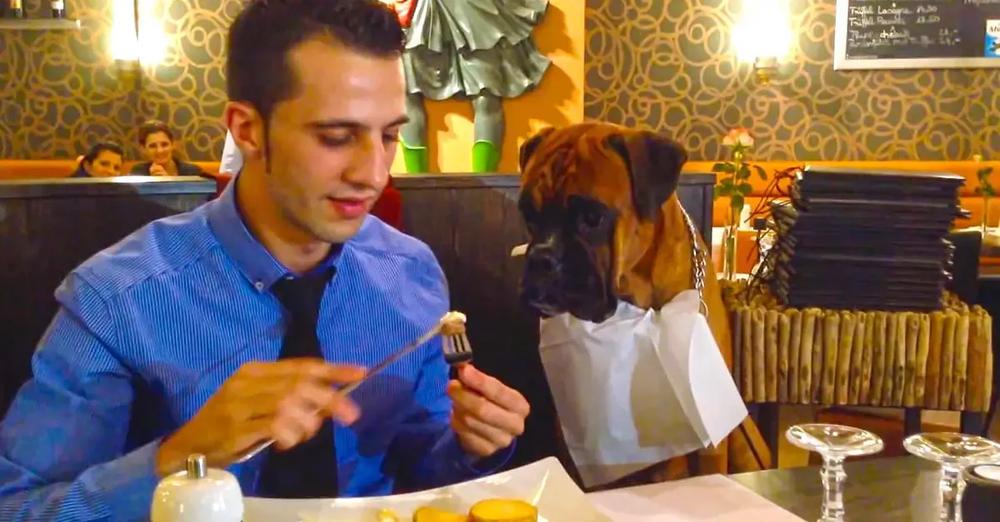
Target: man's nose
<point>371,165</point>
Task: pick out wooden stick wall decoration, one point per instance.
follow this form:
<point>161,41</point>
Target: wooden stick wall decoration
<point>941,360</point>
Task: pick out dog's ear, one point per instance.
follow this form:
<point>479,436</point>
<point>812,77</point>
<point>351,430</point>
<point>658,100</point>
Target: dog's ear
<point>529,146</point>
<point>654,167</point>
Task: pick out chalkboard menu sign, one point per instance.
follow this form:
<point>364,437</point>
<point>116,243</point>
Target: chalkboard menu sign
<point>914,34</point>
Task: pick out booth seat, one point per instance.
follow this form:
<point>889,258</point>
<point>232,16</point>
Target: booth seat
<point>21,169</point>
<point>388,207</point>
<point>62,168</point>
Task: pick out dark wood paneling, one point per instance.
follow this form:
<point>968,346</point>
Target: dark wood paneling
<point>47,228</point>
<point>91,187</point>
<point>472,222</point>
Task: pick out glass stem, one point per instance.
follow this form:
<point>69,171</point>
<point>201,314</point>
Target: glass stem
<point>952,486</point>
<point>833,489</point>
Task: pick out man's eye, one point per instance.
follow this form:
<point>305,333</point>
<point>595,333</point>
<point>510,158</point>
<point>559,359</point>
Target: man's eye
<point>390,138</point>
<point>335,140</point>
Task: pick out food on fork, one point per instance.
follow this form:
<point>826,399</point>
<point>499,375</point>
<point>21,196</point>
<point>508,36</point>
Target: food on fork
<point>453,323</point>
<point>503,510</point>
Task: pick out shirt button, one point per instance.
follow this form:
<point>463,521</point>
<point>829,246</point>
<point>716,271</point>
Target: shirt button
<point>259,285</point>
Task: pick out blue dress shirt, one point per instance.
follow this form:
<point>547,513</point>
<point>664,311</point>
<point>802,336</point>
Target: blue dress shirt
<point>149,329</point>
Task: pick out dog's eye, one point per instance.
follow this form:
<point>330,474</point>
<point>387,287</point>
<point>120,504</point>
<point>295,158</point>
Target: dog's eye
<point>592,219</point>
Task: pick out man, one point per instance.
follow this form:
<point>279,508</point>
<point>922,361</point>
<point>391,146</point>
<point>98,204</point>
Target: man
<point>194,334</point>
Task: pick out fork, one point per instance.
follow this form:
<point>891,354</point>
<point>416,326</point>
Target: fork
<point>455,345</point>
<point>457,348</point>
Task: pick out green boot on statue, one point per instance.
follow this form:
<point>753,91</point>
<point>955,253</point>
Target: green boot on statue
<point>485,157</point>
<point>415,159</point>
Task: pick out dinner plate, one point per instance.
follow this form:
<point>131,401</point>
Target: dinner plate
<point>544,483</point>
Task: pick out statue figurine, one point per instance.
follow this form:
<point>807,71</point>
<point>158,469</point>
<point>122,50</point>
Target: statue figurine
<point>477,49</point>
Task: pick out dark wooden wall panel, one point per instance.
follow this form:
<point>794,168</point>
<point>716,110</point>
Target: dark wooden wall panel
<point>47,228</point>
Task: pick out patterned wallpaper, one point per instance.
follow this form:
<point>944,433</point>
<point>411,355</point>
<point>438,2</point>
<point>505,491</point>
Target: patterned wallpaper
<point>661,64</point>
<point>668,65</point>
<point>60,90</point>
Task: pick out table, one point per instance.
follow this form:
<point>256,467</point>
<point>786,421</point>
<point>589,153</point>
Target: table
<point>903,489</point>
<point>713,498</point>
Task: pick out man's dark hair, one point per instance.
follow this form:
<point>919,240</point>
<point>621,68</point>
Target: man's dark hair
<point>100,147</point>
<point>258,70</point>
<point>152,127</point>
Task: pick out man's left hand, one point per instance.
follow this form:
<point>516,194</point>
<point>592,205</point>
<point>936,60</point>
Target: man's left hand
<point>487,414</point>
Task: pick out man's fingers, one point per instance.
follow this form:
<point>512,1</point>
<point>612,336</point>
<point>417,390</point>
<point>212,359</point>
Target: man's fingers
<point>469,403</point>
<point>343,410</point>
<point>250,434</point>
<point>287,435</point>
<point>497,437</point>
<point>295,425</point>
<point>494,390</point>
<point>472,442</point>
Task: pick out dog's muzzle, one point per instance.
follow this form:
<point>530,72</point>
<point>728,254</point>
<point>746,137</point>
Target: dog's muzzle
<point>541,286</point>
<point>557,281</point>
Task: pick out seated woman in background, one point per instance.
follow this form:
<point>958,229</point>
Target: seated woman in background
<point>157,144</point>
<point>103,160</point>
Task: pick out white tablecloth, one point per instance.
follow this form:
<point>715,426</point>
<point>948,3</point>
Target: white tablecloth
<point>708,498</point>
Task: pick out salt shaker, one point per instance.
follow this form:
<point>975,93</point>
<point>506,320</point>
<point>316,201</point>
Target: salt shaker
<point>198,494</point>
<point>981,499</point>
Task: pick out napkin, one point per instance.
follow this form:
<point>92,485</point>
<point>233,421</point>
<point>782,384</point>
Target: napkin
<point>638,388</point>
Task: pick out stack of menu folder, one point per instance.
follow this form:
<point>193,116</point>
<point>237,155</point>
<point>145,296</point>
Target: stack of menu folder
<point>867,240</point>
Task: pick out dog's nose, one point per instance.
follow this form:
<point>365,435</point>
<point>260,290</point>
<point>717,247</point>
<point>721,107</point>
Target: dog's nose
<point>542,258</point>
<point>541,264</point>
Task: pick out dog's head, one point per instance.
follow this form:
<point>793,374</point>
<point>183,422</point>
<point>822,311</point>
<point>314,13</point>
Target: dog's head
<point>583,189</point>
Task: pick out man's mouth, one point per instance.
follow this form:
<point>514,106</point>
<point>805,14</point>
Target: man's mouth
<point>350,208</point>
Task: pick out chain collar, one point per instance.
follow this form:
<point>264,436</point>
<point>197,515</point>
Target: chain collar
<point>698,262</point>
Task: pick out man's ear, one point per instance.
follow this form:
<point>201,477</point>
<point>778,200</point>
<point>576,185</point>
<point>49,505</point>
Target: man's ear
<point>654,167</point>
<point>246,125</point>
<point>529,146</point>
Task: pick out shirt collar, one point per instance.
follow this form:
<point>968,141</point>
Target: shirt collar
<point>253,259</point>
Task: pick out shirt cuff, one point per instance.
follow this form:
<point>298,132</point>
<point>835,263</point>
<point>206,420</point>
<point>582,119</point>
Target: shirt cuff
<point>126,484</point>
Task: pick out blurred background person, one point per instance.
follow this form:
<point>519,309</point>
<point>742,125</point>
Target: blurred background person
<point>157,144</point>
<point>103,160</point>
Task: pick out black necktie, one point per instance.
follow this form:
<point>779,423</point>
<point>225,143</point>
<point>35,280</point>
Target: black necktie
<point>308,470</point>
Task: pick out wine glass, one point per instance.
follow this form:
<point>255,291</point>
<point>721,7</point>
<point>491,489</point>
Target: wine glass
<point>953,451</point>
<point>834,443</point>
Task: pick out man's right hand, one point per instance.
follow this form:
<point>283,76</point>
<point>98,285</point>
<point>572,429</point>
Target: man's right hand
<point>286,401</point>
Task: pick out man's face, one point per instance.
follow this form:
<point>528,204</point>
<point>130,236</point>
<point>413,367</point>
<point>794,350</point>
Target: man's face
<point>106,164</point>
<point>332,143</point>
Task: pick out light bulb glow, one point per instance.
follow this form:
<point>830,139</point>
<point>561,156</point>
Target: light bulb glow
<point>763,30</point>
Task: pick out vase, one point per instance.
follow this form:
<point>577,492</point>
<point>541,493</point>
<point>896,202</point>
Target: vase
<point>729,242</point>
<point>986,216</point>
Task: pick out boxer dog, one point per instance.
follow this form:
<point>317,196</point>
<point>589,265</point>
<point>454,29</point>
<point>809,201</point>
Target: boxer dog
<point>605,225</point>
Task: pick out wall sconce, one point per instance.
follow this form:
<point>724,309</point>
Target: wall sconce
<point>763,36</point>
<point>137,37</point>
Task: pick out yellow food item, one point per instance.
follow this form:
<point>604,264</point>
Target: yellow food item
<point>503,510</point>
<point>431,514</point>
